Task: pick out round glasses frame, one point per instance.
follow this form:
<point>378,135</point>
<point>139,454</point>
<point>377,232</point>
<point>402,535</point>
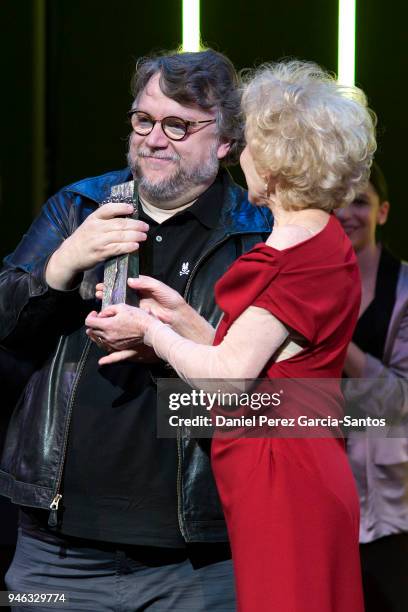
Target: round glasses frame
<point>165,124</point>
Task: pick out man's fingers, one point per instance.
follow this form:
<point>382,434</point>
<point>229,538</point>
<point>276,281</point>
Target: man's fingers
<point>96,338</point>
<point>127,223</point>
<point>93,334</point>
<point>120,248</point>
<point>99,290</point>
<point>125,236</point>
<point>109,311</point>
<point>113,209</point>
<point>120,210</point>
<point>95,325</point>
<point>91,319</point>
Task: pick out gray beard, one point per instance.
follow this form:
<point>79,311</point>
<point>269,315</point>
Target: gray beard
<point>179,184</point>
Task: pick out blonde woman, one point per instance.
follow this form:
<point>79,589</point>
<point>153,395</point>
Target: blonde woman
<point>290,306</point>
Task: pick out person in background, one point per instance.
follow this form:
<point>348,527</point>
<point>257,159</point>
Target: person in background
<point>290,307</point>
<point>378,354</point>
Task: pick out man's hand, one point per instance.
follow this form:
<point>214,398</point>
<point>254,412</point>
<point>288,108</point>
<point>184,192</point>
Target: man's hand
<point>120,328</point>
<point>105,233</point>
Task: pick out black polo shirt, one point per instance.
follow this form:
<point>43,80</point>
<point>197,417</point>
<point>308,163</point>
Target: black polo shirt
<point>119,482</point>
<point>174,246</point>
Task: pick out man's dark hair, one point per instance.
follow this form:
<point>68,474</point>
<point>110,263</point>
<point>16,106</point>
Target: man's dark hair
<point>377,179</point>
<point>207,79</point>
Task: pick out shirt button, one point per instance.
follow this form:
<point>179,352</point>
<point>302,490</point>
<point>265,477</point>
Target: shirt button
<point>159,238</point>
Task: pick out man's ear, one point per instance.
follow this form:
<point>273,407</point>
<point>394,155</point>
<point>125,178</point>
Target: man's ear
<point>223,149</point>
<point>382,214</point>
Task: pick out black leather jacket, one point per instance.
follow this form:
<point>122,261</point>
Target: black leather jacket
<point>46,326</point>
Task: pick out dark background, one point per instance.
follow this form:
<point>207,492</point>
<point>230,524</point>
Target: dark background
<point>67,67</point>
<point>65,79</point>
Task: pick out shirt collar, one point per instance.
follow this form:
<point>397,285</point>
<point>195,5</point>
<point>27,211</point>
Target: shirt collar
<point>207,207</point>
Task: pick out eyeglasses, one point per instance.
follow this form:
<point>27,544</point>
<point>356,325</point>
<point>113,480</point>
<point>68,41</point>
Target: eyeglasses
<point>174,127</point>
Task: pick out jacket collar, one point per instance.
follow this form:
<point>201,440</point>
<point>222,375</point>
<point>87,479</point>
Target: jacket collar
<point>98,188</point>
<point>238,216</point>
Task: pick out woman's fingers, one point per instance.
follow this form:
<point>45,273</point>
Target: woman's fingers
<point>145,283</point>
<point>164,295</point>
<point>117,356</point>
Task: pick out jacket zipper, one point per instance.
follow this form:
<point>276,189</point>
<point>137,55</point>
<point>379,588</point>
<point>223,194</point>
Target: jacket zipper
<point>199,262</point>
<point>179,511</point>
<point>53,518</point>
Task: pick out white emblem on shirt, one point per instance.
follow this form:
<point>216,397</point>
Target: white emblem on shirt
<point>184,269</point>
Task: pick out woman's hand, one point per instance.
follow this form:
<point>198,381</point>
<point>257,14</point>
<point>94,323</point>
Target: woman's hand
<point>120,330</point>
<point>168,306</point>
<point>155,297</point>
<point>159,299</point>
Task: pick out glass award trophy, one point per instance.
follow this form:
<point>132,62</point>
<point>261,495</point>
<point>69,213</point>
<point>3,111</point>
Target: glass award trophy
<point>119,269</point>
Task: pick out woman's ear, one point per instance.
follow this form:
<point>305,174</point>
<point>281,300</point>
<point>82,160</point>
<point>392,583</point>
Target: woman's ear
<point>382,214</point>
<point>270,186</point>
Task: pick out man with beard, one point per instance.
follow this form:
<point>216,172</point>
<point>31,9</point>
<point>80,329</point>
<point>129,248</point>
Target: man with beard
<point>110,515</point>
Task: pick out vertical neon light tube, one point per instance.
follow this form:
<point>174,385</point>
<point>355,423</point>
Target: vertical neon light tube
<point>191,25</point>
<point>346,42</point>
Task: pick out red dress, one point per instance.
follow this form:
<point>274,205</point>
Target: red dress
<point>291,505</point>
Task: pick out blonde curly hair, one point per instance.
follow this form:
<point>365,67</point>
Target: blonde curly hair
<point>313,136</point>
